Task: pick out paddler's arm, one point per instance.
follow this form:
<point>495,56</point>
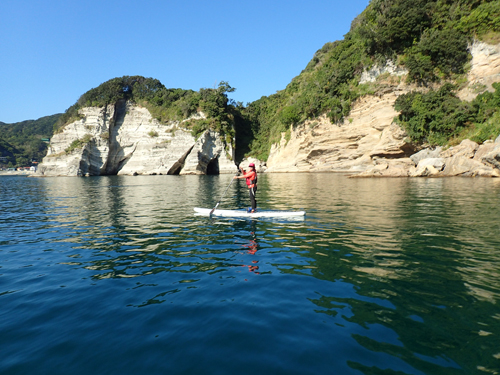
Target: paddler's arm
<point>245,175</point>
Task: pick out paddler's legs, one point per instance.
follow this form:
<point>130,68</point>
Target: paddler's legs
<point>252,198</point>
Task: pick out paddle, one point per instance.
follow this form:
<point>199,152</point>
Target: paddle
<point>217,205</point>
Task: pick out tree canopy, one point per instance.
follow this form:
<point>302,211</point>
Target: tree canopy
<point>22,142</point>
<point>439,115</point>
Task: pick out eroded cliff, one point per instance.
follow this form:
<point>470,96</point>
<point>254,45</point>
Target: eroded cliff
<point>124,139</point>
<point>368,140</point>
<point>320,146</point>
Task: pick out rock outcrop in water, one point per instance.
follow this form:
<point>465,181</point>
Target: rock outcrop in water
<point>368,142</point>
<point>124,139</point>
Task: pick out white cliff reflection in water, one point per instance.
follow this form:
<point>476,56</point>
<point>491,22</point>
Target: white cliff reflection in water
<point>393,275</point>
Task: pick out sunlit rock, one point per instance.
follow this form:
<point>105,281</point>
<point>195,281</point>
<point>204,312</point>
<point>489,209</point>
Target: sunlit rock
<point>209,156</point>
<point>464,166</point>
<point>466,149</point>
<point>484,70</point>
<point>492,158</point>
<point>426,154</point>
<point>427,167</point>
<point>321,146</point>
<point>124,139</point>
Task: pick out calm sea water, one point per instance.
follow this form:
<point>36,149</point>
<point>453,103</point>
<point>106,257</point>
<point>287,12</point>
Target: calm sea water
<point>115,275</point>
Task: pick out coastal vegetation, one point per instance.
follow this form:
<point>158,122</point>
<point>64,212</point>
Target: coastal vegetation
<point>78,143</point>
<point>428,38</point>
<point>22,142</point>
<point>439,117</point>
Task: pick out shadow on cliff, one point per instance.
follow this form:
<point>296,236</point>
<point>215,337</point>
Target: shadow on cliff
<point>116,156</point>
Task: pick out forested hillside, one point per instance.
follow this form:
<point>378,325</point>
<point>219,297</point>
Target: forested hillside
<point>21,142</point>
<point>428,38</point>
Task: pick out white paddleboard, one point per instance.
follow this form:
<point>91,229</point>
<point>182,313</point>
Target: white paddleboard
<point>244,213</point>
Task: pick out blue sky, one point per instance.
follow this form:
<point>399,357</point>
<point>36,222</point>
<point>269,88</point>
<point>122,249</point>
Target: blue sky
<point>53,51</point>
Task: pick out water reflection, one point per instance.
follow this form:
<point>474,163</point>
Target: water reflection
<point>402,272</point>
<point>252,247</point>
<point>381,229</point>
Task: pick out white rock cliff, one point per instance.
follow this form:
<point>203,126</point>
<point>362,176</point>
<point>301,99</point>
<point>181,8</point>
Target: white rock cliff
<point>124,139</point>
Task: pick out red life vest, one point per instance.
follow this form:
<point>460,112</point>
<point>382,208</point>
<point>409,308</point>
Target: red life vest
<point>251,178</point>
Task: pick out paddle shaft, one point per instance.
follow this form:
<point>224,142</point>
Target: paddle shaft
<point>217,205</point>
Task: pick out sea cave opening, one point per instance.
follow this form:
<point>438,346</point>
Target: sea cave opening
<point>213,167</point>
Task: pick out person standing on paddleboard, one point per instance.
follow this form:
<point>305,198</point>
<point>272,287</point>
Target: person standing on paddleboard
<point>251,180</point>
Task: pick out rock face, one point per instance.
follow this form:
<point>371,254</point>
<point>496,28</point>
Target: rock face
<point>425,154</point>
<point>124,139</point>
<point>369,143</point>
<point>367,134</point>
<point>389,67</point>
<point>485,70</point>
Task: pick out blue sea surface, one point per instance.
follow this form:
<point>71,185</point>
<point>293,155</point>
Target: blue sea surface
<point>116,275</point>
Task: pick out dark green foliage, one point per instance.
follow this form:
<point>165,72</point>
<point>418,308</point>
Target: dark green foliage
<point>483,19</point>
<point>486,104</point>
<point>164,104</point>
<point>393,25</point>
<point>437,116</point>
<point>446,48</point>
<point>127,87</point>
<point>432,117</point>
<point>420,68</point>
<point>8,153</point>
<point>260,114</point>
<point>442,47</point>
<point>244,133</point>
<point>214,103</point>
<point>487,116</point>
<point>25,139</point>
<point>42,126</point>
<point>444,51</point>
<point>289,115</point>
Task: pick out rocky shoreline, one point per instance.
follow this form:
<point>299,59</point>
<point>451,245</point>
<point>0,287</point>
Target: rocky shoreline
<point>368,143</point>
<point>124,139</point>
<point>468,159</point>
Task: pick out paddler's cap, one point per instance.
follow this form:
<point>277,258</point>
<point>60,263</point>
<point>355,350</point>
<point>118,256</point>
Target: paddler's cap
<point>251,165</point>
